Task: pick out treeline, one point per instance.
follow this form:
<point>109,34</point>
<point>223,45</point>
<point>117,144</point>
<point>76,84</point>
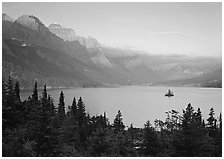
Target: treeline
<point>26,78</point>
<point>36,127</point>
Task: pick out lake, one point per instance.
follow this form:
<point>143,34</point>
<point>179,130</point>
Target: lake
<point>140,103</point>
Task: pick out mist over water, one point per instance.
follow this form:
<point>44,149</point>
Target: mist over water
<point>139,104</point>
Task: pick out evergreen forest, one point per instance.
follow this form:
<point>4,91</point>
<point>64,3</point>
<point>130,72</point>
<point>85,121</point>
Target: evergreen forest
<point>40,127</point>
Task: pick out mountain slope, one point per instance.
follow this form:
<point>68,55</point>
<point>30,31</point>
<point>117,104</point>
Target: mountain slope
<point>213,78</point>
<point>136,69</point>
<point>31,51</point>
<point>29,46</point>
<point>112,70</point>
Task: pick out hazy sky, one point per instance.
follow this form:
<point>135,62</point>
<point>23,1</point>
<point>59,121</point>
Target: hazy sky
<point>167,28</point>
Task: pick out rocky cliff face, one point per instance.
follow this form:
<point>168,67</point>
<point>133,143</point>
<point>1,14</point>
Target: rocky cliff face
<point>31,22</point>
<point>91,55</point>
<point>89,42</point>
<point>67,34</point>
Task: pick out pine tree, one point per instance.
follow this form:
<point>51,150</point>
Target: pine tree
<point>81,112</point>
<point>199,117</point>
<point>11,105</point>
<point>61,108</point>
<point>151,144</point>
<point>214,133</point>
<point>192,140</point>
<point>17,91</point>
<point>53,109</point>
<point>71,128</point>
<point>44,94</point>
<point>46,138</point>
<point>188,117</point>
<point>211,120</point>
<point>35,92</point>
<point>14,117</point>
<point>58,122</point>
<point>82,121</point>
<point>74,110</point>
<point>118,123</point>
<point>184,141</point>
<point>33,110</point>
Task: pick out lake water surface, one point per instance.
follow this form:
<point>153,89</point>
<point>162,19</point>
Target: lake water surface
<point>139,104</point>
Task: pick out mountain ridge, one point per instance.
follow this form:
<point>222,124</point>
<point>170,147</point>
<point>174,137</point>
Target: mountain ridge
<point>84,64</point>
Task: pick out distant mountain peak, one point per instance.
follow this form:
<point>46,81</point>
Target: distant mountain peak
<point>67,34</point>
<point>54,25</point>
<point>7,18</point>
<point>31,22</point>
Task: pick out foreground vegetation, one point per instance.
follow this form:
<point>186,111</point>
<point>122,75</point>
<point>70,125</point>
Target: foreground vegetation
<point>36,127</point>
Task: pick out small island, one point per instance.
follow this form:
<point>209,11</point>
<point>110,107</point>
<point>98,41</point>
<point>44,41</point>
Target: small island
<point>169,93</point>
